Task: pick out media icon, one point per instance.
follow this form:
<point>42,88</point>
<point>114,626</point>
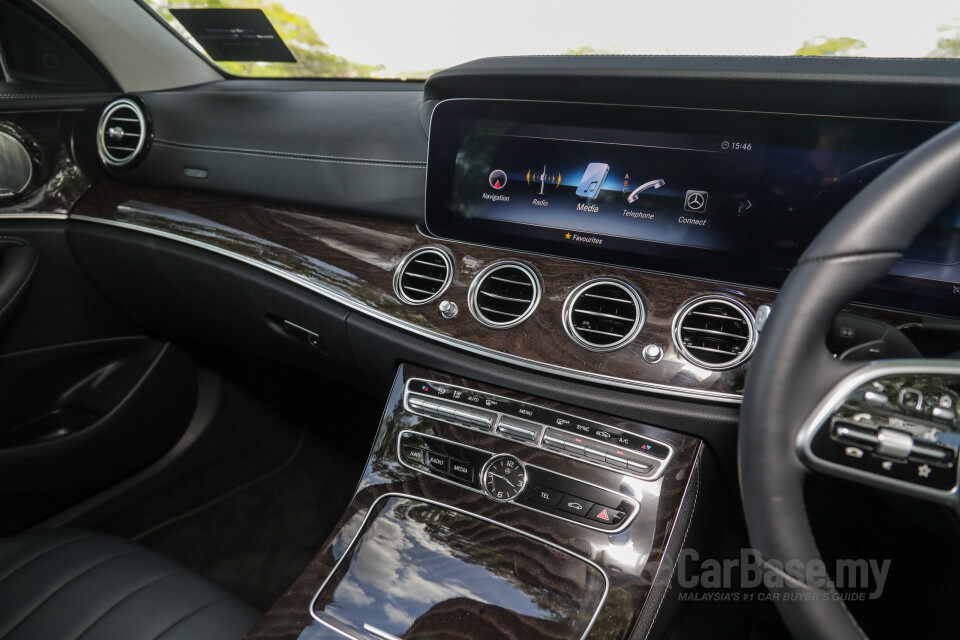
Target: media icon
<point>653,184</point>
<point>498,179</point>
<point>592,181</point>
<point>695,201</point>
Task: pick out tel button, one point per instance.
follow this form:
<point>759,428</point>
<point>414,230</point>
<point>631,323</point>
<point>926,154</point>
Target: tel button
<point>546,496</point>
<point>575,505</point>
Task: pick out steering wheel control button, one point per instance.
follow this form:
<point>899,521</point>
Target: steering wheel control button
<point>876,398</point>
<point>911,399</point>
<point>606,515</point>
<point>856,435</point>
<point>894,444</point>
<point>575,505</point>
<point>545,496</point>
<point>944,414</point>
<point>929,453</point>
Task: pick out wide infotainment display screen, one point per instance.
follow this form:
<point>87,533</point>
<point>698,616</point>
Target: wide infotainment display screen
<point>730,196</point>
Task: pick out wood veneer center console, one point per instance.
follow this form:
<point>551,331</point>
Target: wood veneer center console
<point>465,539</point>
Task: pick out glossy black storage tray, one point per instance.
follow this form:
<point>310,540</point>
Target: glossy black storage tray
<point>417,569</point>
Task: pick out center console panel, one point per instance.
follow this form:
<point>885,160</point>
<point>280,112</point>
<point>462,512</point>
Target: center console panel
<point>473,520</point>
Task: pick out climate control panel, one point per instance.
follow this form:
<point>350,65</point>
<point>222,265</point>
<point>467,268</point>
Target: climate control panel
<point>560,433</point>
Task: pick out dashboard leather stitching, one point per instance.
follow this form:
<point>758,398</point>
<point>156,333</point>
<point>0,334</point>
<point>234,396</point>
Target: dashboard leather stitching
<point>683,543</point>
<point>401,164</point>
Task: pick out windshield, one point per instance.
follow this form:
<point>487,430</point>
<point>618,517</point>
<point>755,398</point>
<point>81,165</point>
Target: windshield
<point>412,39</point>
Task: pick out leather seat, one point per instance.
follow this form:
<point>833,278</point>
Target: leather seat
<point>67,584</point>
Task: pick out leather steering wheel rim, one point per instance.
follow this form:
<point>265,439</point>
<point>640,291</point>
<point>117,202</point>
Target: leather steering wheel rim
<point>792,370</point>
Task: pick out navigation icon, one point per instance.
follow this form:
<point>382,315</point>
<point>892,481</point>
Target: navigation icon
<point>498,179</point>
<point>695,201</point>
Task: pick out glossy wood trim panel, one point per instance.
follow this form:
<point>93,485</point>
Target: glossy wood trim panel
<point>352,259</point>
<point>630,559</point>
<point>64,165</point>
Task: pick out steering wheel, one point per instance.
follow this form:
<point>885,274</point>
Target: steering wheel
<point>799,398</point>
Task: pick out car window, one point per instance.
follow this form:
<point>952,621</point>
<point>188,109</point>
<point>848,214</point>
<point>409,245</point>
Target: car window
<point>412,39</point>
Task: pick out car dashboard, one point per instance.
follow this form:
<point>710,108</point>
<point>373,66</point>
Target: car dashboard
<point>558,293</point>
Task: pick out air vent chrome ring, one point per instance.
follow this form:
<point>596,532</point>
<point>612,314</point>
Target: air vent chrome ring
<point>714,308</point>
<point>433,274</point>
<point>515,276</point>
<point>122,121</point>
<point>604,339</point>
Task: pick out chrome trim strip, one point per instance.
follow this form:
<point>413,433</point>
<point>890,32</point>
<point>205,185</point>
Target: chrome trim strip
<point>567,314</point>
<point>692,303</point>
<point>444,254</point>
<point>838,396</point>
<point>538,443</point>
<point>714,396</point>
<point>32,216</point>
<point>621,527</point>
<point>553,545</point>
<point>490,270</point>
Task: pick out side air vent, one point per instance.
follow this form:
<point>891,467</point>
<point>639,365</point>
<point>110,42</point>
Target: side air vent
<point>714,332</point>
<point>603,315</point>
<point>122,133</point>
<point>504,294</point>
<point>423,276</point>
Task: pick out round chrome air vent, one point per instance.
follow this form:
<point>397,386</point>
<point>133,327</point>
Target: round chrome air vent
<point>603,314</point>
<point>714,332</point>
<point>423,276</point>
<point>504,294</point>
<point>122,133</point>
